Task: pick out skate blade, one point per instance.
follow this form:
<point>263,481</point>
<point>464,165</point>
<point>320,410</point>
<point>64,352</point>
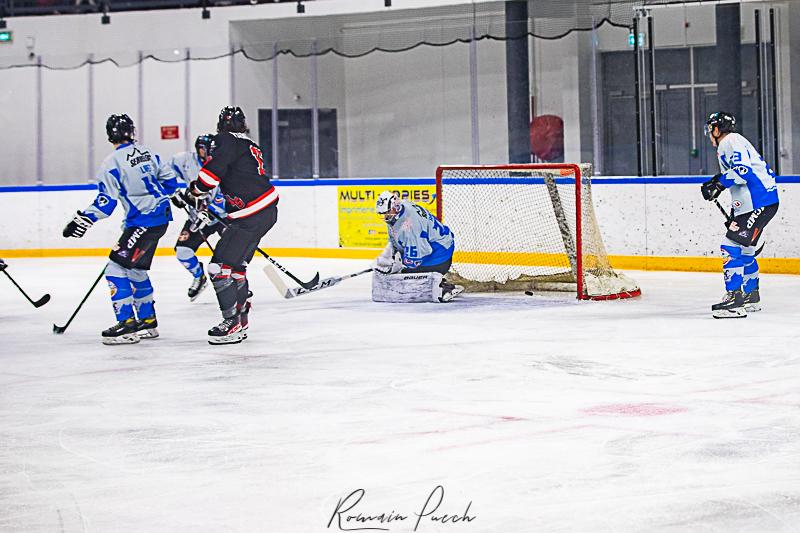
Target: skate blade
<point>151,333</point>
<point>234,338</point>
<point>752,308</point>
<point>730,313</point>
<point>452,294</point>
<point>196,296</point>
<point>130,338</point>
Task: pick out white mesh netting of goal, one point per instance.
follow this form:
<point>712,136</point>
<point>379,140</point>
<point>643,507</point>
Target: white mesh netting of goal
<point>527,227</point>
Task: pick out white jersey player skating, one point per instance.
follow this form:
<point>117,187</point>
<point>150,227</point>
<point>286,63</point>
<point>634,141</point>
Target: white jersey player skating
<point>418,254</point>
<point>754,202</point>
<point>136,177</point>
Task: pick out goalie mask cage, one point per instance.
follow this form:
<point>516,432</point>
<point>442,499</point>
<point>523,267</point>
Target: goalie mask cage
<point>528,226</point>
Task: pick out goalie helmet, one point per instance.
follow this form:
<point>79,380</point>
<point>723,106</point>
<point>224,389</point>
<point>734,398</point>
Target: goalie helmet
<point>725,122</point>
<point>232,119</point>
<point>207,143</point>
<point>120,129</point>
<point>387,206</point>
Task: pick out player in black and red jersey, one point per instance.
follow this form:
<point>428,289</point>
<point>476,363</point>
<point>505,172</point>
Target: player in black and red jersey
<point>251,202</point>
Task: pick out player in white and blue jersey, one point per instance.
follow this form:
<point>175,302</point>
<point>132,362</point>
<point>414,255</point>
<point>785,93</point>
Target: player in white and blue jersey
<point>136,177</point>
<point>418,255</point>
<point>199,226</point>
<point>754,201</point>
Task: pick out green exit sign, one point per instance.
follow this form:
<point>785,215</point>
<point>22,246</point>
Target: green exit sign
<point>6,36</point>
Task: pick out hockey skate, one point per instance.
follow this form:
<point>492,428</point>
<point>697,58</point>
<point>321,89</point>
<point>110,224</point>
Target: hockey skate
<point>198,285</point>
<point>229,331</point>
<point>731,306</point>
<point>244,311</point>
<point>123,332</point>
<point>147,328</point>
<point>449,291</point>
<point>752,301</point>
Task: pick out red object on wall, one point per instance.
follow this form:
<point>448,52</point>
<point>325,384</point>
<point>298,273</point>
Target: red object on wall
<point>547,137</point>
<point>169,132</point>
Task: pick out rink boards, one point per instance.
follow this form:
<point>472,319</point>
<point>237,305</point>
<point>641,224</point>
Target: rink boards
<point>656,223</point>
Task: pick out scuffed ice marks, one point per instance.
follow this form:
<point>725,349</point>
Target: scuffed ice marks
<point>583,367</point>
<point>752,444</point>
<point>774,512</point>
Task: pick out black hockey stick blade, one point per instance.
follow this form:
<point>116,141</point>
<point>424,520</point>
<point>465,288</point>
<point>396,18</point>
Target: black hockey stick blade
<point>58,330</point>
<point>304,284</point>
<point>323,284</point>
<point>311,284</point>
<point>38,303</point>
<point>41,301</point>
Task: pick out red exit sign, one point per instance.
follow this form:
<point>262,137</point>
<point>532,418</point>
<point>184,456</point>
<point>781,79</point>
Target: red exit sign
<point>169,132</point>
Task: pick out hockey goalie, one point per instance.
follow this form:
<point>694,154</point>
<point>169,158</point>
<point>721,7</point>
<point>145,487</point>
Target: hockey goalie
<point>416,258</point>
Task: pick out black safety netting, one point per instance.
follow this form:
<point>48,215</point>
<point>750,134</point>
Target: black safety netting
<point>360,34</point>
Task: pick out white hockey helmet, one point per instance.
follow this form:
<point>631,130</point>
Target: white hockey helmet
<point>387,206</point>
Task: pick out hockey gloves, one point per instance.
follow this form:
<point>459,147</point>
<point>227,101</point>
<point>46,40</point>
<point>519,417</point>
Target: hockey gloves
<point>712,188</point>
<point>203,220</point>
<point>177,199</point>
<point>77,226</point>
<point>389,265</point>
<point>192,197</point>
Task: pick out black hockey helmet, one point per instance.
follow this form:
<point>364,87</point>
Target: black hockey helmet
<point>207,142</point>
<point>231,119</point>
<point>725,122</point>
<point>119,129</point>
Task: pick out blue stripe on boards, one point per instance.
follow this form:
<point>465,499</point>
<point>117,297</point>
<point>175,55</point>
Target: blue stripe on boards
<point>598,180</point>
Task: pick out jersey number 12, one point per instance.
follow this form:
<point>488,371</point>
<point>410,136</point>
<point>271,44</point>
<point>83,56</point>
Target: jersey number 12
<point>259,159</point>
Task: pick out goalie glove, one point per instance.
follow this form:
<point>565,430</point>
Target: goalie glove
<point>77,226</point>
<point>712,188</point>
<point>203,220</point>
<point>389,265</point>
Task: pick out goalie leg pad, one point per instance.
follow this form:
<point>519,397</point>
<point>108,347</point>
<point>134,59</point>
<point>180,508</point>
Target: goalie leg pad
<point>406,288</point>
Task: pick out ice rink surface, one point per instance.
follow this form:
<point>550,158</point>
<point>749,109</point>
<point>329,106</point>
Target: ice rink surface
<point>532,413</point>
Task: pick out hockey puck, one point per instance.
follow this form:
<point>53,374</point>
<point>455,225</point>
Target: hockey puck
<point>529,293</point>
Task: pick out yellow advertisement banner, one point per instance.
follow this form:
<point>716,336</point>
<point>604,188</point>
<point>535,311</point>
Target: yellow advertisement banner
<point>360,226</point>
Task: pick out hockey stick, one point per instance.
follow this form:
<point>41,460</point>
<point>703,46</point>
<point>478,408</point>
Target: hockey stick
<point>730,219</point>
<point>61,329</point>
<point>287,293</point>
<point>38,303</point>
<point>304,284</point>
<point>722,210</point>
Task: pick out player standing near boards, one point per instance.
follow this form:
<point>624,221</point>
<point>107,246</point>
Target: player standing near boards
<point>251,202</point>
<point>136,177</point>
<point>200,225</point>
<point>754,200</point>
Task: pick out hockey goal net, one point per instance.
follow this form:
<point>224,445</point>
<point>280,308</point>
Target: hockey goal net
<point>527,227</point>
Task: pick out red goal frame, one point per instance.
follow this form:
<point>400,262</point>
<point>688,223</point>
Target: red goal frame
<point>570,169</point>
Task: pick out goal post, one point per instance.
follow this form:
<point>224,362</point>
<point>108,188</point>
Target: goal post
<point>527,227</point>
